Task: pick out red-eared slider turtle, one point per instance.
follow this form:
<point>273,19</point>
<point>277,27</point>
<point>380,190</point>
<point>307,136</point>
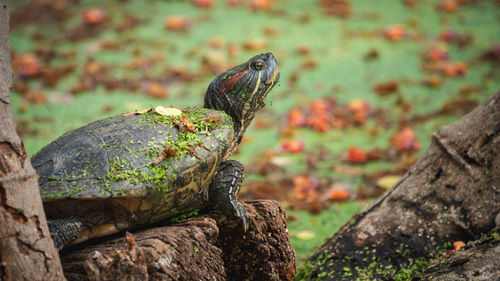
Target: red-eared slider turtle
<point>121,172</point>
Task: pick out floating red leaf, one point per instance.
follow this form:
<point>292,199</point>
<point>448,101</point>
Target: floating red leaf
<point>405,140</point>
<point>360,110</point>
<point>319,122</point>
<point>234,3</point>
<point>319,106</point>
<point>203,3</point>
<point>35,96</point>
<point>454,69</point>
<point>410,3</point>
<point>467,90</point>
<point>176,23</point>
<point>271,31</point>
<point>303,49</point>
<point>296,117</point>
<point>447,6</point>
<point>233,49</point>
<point>395,32</point>
<point>438,53</point>
<point>356,155</point>
<point>451,36</point>
<point>217,42</point>
<point>157,90</point>
<point>255,45</point>
<point>292,146</point>
<point>385,88</point>
<point>27,65</point>
<point>259,5</point>
<point>93,16</point>
<point>304,187</point>
<point>433,81</point>
<point>338,194</point>
<point>340,8</point>
<point>308,64</point>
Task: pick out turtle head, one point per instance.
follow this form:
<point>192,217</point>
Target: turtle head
<point>241,91</point>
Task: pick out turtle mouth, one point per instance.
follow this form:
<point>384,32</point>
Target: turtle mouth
<point>273,76</point>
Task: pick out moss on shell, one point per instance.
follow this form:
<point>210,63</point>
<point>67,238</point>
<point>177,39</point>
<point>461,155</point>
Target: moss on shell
<point>142,162</point>
<point>180,145</point>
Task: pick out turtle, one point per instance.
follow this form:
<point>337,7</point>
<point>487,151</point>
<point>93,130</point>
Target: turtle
<point>127,171</point>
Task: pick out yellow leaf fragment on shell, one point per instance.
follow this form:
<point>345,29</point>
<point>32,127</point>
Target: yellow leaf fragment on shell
<point>142,111</point>
<point>167,111</point>
<point>137,112</point>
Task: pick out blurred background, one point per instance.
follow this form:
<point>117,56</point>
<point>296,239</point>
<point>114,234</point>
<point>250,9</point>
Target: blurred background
<point>364,84</point>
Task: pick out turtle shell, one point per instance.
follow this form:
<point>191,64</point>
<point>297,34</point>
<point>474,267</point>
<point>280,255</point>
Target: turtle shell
<point>128,170</point>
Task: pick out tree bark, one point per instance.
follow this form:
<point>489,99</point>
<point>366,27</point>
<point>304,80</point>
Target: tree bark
<point>478,262</point>
<point>180,252</point>
<point>26,249</point>
<point>203,248</point>
<point>452,193</point>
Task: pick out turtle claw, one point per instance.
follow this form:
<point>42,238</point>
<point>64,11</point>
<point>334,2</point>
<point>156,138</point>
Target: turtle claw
<point>241,213</point>
<point>244,221</point>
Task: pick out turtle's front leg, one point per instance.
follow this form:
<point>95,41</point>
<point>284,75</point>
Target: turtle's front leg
<point>223,190</point>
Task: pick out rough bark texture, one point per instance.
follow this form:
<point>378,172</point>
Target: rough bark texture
<point>264,252</point>
<point>178,252</point>
<point>477,262</point>
<point>26,249</point>
<point>452,193</point>
<point>198,249</point>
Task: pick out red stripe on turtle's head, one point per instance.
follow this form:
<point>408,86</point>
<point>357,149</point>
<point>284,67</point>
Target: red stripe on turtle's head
<point>228,84</point>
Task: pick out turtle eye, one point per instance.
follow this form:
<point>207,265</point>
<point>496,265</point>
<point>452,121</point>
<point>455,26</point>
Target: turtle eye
<point>258,65</point>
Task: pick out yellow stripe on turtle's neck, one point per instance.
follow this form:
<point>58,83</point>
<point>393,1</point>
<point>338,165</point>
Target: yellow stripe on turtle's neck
<point>248,104</point>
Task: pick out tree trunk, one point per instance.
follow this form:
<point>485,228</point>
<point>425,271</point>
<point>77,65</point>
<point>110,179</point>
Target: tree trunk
<point>452,193</point>
<point>199,249</point>
<point>26,249</point>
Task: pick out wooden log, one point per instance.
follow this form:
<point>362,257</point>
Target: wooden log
<point>164,253</point>
<point>452,193</point>
<point>264,251</point>
<point>210,247</point>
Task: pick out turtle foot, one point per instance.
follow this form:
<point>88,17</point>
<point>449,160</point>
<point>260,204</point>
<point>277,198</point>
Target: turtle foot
<point>224,189</point>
